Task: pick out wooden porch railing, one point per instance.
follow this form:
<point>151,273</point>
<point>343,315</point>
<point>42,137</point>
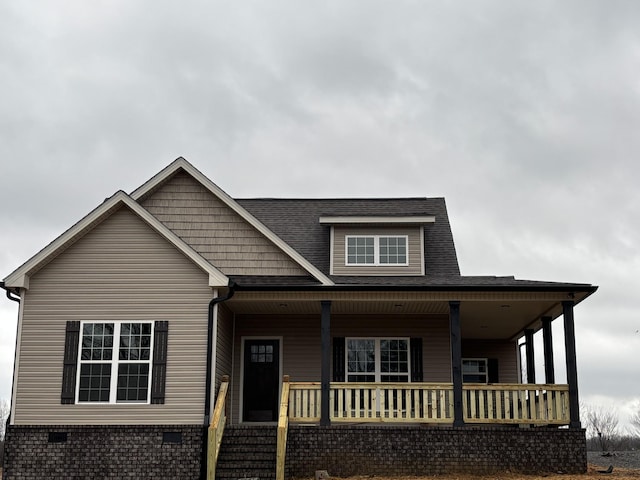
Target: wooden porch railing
<point>216,428</point>
<point>431,403</point>
<point>522,403</point>
<point>283,426</point>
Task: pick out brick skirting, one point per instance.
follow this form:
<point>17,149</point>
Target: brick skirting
<point>175,452</point>
<point>98,452</point>
<point>345,450</point>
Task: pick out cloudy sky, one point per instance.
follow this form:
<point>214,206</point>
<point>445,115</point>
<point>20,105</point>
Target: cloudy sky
<point>524,115</point>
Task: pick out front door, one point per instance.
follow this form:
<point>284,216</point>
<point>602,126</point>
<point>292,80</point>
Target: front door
<point>261,380</point>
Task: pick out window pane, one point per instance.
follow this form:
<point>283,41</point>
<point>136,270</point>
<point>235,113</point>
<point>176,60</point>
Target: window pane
<point>95,379</point>
<point>395,250</point>
<point>361,356</point>
<point>133,381</point>
<point>394,356</point>
<point>134,343</point>
<point>96,341</point>
<point>360,250</point>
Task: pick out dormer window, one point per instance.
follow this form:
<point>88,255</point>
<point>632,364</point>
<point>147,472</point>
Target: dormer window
<point>376,250</point>
<point>376,245</point>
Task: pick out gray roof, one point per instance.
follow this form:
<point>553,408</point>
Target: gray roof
<point>296,221</point>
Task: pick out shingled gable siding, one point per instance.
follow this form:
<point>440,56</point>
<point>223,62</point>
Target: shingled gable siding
<point>121,270</point>
<point>301,342</point>
<point>215,231</point>
<point>415,249</point>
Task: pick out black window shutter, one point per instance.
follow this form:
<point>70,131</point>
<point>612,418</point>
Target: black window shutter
<point>159,373</point>
<point>70,365</point>
<point>416,359</point>
<point>492,370</point>
<point>338,359</point>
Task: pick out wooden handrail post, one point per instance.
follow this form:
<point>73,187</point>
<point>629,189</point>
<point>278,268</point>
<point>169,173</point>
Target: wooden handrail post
<point>283,426</point>
<point>216,428</point>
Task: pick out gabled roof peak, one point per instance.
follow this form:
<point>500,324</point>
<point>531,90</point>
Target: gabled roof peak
<point>20,277</point>
<point>180,164</point>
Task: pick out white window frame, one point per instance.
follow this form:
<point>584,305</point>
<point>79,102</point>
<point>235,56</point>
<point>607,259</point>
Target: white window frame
<point>485,373</point>
<point>378,373</point>
<point>114,363</point>
<point>376,251</point>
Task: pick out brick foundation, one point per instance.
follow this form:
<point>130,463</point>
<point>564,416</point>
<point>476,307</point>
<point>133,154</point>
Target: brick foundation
<point>145,452</point>
<point>97,452</point>
<point>345,450</point>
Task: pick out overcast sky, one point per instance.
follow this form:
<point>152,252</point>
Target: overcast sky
<point>524,115</point>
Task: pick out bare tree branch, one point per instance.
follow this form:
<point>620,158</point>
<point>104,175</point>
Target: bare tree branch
<point>601,424</point>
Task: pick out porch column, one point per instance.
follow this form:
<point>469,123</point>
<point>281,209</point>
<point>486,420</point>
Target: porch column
<point>549,370</point>
<point>456,362</point>
<point>325,364</point>
<point>572,370</point>
<point>531,362</point>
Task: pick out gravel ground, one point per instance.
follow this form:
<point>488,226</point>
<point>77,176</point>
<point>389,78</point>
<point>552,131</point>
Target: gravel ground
<point>628,459</point>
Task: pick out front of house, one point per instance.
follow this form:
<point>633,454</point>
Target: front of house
<point>344,321</point>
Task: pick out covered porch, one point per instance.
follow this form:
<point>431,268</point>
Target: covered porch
<point>308,329</point>
<point>317,390</point>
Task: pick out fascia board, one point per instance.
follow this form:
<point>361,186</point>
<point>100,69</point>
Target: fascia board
<point>20,277</point>
<point>405,220</point>
<point>236,207</point>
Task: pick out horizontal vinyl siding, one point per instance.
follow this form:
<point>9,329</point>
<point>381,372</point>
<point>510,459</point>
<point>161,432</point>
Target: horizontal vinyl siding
<point>215,231</point>
<point>121,270</point>
<point>414,248</point>
<point>224,343</point>
<point>505,352</point>
<point>301,349</point>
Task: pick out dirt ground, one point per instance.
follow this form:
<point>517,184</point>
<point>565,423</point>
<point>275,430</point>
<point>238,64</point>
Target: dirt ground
<point>593,472</point>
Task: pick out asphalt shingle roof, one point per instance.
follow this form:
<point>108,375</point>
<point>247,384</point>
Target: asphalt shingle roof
<point>296,221</point>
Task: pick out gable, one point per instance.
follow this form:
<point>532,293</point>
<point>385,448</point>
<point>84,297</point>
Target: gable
<point>215,231</point>
<point>121,270</point>
<point>20,277</point>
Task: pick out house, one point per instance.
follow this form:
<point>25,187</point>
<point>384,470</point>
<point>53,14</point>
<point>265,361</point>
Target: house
<point>339,332</point>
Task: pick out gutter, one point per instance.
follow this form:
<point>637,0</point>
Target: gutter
<point>210,340</point>
<point>10,293</point>
<point>579,287</point>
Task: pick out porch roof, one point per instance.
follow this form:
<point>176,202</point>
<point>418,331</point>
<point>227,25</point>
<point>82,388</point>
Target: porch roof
<point>491,308</point>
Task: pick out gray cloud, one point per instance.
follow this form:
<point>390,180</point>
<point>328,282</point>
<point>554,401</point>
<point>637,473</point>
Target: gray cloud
<point>523,115</point>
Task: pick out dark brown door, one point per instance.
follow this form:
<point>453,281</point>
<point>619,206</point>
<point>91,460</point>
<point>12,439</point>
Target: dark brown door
<point>261,380</point>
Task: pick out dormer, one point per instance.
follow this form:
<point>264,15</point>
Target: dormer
<point>377,245</point>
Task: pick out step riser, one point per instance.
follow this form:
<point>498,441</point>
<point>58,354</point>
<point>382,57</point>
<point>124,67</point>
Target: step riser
<point>247,453</point>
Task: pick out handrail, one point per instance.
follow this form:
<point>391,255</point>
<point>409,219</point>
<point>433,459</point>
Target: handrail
<point>216,429</point>
<point>431,403</point>
<point>283,427</point>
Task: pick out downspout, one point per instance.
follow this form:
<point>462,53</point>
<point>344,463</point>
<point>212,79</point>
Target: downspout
<point>12,296</point>
<point>210,340</point>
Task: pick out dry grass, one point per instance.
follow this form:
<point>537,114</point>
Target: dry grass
<point>592,473</point>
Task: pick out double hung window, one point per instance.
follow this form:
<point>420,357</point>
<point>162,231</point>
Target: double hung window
<point>377,359</point>
<point>115,361</point>
<point>474,370</point>
<point>376,250</point>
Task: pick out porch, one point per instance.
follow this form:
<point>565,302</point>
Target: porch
<point>412,410</point>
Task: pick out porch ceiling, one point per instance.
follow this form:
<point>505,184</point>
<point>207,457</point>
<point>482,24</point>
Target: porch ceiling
<point>504,317</point>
